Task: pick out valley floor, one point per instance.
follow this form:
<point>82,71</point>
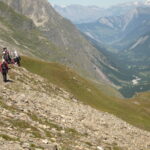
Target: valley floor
<point>37,115</point>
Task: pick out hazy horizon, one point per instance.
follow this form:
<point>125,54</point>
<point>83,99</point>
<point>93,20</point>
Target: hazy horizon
<point>106,3</point>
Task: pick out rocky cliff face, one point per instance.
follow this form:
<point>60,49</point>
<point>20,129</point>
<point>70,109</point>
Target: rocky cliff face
<point>39,11</point>
<point>38,115</point>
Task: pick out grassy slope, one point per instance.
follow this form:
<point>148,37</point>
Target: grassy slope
<point>88,93</point>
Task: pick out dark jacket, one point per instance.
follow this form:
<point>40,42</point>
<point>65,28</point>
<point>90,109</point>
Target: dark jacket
<point>6,67</point>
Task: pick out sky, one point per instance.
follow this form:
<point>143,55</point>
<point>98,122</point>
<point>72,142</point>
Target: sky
<point>102,3</point>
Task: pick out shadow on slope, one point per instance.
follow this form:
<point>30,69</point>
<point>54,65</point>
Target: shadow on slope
<point>134,111</point>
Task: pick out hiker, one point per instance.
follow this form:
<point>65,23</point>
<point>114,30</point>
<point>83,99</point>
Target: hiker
<point>6,55</point>
<point>17,58</point>
<point>4,70</point>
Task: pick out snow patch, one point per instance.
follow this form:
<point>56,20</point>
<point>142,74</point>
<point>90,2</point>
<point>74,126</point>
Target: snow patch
<point>147,2</point>
<point>136,81</point>
<point>63,6</point>
<point>89,34</point>
<point>106,22</point>
<point>139,42</point>
<point>136,3</point>
<point>53,5</point>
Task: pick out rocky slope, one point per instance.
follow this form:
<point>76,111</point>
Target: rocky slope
<point>38,115</point>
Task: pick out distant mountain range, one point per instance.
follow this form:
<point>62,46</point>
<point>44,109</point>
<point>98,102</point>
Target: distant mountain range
<point>119,30</point>
<point>80,14</point>
<point>93,13</point>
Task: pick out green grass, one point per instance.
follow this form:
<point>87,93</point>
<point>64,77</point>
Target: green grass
<point>117,148</point>
<point>34,147</point>
<point>23,125</point>
<point>8,138</point>
<point>44,121</point>
<point>62,76</point>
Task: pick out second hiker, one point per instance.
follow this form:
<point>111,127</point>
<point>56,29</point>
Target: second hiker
<point>17,58</point>
<point>4,70</point>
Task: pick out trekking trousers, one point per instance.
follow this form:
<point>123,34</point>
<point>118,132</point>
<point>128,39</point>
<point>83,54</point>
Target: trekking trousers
<point>4,74</point>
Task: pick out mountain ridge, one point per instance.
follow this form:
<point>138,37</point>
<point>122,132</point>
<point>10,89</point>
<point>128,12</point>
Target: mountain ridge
<point>91,13</point>
<point>64,42</point>
<point>120,28</point>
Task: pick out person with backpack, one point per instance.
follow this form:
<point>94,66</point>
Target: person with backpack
<point>17,58</point>
<point>6,55</point>
<point>4,70</point>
